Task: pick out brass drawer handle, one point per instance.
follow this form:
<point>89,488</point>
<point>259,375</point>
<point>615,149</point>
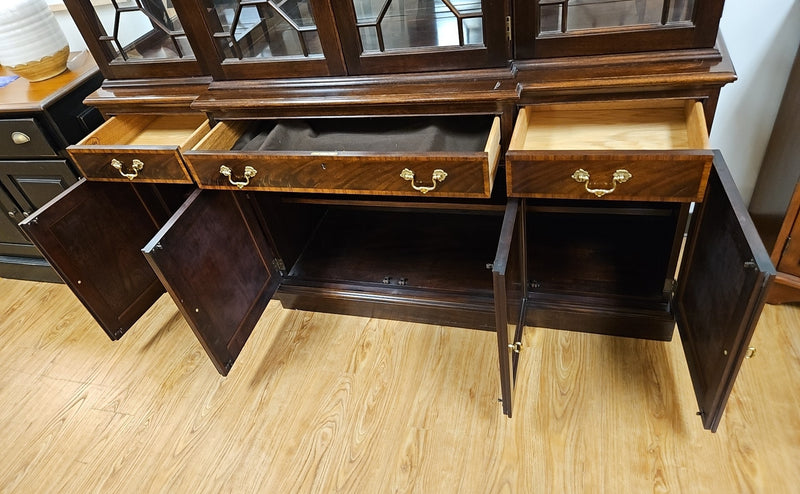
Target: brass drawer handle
<point>620,176</point>
<point>136,165</point>
<point>249,172</point>
<point>20,138</point>
<point>438,176</point>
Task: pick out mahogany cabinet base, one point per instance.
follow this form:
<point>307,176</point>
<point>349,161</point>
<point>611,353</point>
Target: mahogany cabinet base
<point>652,321</point>
<point>356,300</point>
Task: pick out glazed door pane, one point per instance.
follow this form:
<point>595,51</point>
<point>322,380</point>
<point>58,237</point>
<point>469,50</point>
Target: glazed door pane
<point>567,16</point>
<point>265,29</point>
<point>400,24</point>
<point>555,28</point>
<point>143,29</point>
<point>137,38</point>
<point>385,36</point>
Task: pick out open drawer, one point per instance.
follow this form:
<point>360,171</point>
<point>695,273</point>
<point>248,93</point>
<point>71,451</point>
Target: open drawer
<point>141,148</point>
<point>648,150</point>
<point>449,156</point>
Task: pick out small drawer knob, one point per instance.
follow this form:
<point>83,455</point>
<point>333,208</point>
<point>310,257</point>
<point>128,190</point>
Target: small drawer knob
<point>20,138</point>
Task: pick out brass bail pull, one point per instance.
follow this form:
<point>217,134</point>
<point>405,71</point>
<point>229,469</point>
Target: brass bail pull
<point>249,172</point>
<point>620,176</point>
<point>136,166</point>
<point>438,176</point>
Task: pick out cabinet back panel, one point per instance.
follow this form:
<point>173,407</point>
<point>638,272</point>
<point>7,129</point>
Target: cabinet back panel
<point>601,253</point>
<point>431,250</point>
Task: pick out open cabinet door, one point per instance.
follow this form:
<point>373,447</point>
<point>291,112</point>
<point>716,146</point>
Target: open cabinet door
<point>92,234</point>
<point>213,258</point>
<point>723,280</point>
<point>508,275</point>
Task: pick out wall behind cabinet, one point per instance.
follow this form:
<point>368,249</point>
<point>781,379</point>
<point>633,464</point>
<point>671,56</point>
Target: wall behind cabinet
<point>762,38</point>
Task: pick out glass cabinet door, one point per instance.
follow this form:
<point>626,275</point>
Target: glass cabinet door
<point>381,36</point>
<point>551,28</point>
<point>270,38</point>
<point>136,38</point>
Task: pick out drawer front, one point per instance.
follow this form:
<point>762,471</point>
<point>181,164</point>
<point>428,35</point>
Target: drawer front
<point>463,176</point>
<point>158,165</point>
<point>679,177</point>
<point>22,138</point>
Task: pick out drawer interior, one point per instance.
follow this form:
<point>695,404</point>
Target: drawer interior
<point>627,125</point>
<point>150,130</point>
<point>461,134</point>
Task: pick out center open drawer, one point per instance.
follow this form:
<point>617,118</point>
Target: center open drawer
<point>447,156</point>
<point>647,150</point>
<point>141,148</point>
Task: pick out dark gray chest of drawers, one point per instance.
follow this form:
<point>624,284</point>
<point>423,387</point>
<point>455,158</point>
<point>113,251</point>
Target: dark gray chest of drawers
<point>37,122</point>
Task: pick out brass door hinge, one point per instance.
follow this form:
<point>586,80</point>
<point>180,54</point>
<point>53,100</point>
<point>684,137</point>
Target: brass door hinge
<point>508,28</point>
<point>279,264</point>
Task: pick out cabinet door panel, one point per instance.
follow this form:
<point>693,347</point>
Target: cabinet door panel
<point>91,234</point>
<point>249,39</point>
<point>508,273</point>
<point>12,241</point>
<point>137,40</point>
<point>558,28</point>
<point>722,283</point>
<point>214,261</point>
<point>380,37</point>
<point>33,183</point>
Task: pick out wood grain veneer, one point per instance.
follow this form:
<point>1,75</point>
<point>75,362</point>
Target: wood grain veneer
<point>156,140</point>
<point>663,144</point>
<point>469,174</point>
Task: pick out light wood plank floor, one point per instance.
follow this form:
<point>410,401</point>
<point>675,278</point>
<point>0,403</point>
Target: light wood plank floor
<point>323,403</point>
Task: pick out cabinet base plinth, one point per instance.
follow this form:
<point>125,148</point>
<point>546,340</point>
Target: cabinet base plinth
<point>27,268</point>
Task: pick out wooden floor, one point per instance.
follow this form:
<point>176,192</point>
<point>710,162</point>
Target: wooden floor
<point>322,403</point>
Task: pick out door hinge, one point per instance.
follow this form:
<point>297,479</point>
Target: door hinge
<point>508,28</point>
<point>279,264</point>
<point>786,245</point>
<point>670,287</point>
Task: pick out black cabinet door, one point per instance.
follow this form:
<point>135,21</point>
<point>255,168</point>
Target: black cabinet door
<point>92,235</point>
<point>213,258</point>
<point>33,183</point>
<point>12,241</point>
<point>509,277</point>
<point>723,280</point>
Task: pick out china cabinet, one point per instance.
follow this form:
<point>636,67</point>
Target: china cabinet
<point>419,161</point>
